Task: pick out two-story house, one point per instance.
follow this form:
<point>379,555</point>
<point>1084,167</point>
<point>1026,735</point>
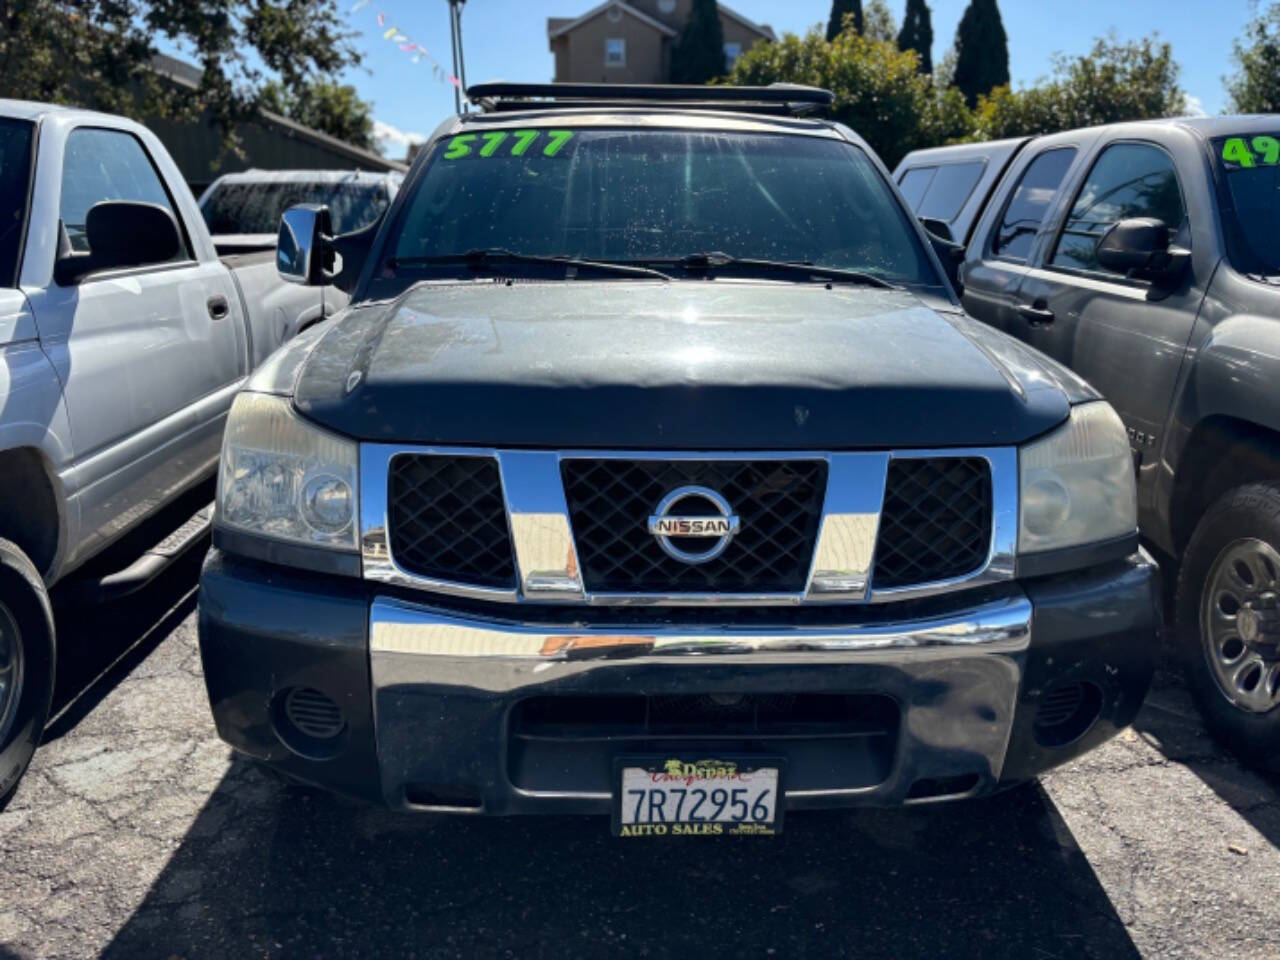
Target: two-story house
<point>631,42</point>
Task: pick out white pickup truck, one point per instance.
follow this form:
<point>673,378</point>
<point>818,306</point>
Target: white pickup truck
<point>123,337</point>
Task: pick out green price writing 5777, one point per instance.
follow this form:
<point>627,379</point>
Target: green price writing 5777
<point>546,143</point>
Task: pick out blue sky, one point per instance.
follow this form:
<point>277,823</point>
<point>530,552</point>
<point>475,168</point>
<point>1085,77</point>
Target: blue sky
<point>506,39</point>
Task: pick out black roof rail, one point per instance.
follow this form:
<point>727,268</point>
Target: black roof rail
<point>779,97</point>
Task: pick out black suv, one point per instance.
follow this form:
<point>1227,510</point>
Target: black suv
<point>655,470</point>
<point>1145,257</point>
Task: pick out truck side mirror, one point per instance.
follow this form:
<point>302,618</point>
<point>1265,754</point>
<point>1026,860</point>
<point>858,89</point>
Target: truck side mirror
<point>304,248</point>
<point>120,233</point>
<point>1139,248</point>
<point>949,252</point>
<point>939,228</point>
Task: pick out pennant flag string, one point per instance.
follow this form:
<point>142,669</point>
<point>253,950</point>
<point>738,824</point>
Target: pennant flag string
<point>419,53</point>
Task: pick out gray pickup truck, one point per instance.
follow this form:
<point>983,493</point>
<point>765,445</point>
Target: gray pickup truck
<point>654,470</point>
<point>123,338</point>
<point>1145,257</point>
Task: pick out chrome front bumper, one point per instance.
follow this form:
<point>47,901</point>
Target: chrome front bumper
<point>955,678</point>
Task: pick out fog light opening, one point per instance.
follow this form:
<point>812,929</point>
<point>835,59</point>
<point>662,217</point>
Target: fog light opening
<point>308,722</point>
<point>1067,711</point>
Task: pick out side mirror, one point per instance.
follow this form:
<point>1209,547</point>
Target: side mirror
<point>352,251</point>
<point>1139,248</point>
<point>949,252</point>
<point>304,249</point>
<point>120,233</point>
<point>939,228</point>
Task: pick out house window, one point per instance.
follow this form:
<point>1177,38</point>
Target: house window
<point>615,52</point>
<point>732,51</point>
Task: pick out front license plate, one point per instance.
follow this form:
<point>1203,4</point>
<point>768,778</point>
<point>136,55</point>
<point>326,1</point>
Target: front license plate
<point>661,797</point>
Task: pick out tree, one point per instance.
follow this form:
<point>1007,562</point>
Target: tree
<point>332,108</point>
<point>917,33</point>
<point>982,50</point>
<point>877,21</point>
<point>99,53</point>
<point>839,10</point>
<point>879,90</point>
<point>1113,82</point>
<point>1255,86</point>
<point>698,56</point>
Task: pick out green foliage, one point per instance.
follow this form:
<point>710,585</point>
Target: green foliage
<point>98,53</point>
<point>878,22</point>
<point>1255,86</point>
<point>839,10</point>
<point>917,33</point>
<point>982,51</point>
<point>333,108</point>
<point>1113,82</point>
<point>878,89</point>
<point>698,56</point>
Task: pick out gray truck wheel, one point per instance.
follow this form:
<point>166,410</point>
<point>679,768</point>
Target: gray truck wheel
<point>1228,621</point>
<point>26,664</point>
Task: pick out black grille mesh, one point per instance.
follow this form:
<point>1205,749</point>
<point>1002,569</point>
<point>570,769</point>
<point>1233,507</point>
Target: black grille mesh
<point>936,521</point>
<point>447,519</point>
<point>779,503</point>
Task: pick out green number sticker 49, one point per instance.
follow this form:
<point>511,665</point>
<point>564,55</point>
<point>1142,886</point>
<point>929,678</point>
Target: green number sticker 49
<point>1251,151</point>
<point>517,142</point>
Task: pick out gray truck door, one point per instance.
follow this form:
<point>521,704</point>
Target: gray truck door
<point>1127,340</point>
<point>996,262</point>
<point>146,355</point>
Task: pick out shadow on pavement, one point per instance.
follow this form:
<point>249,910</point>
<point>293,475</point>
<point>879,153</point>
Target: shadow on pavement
<point>265,870</point>
<point>1171,723</point>
<point>99,644</point>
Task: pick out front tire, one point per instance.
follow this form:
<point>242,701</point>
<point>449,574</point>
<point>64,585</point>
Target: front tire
<point>26,664</point>
<point>1227,621</point>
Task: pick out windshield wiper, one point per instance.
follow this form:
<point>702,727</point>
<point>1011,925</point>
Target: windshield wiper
<point>800,268</point>
<point>491,257</point>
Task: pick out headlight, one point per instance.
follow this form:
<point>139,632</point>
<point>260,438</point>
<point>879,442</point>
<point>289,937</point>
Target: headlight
<point>1077,483</point>
<point>282,477</point>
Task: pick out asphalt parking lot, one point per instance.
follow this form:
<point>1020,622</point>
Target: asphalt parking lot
<point>137,834</point>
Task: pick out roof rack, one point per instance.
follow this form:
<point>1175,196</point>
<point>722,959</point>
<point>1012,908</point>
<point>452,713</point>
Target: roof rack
<point>783,98</point>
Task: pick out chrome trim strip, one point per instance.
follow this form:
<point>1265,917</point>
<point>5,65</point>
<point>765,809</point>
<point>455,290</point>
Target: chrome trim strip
<point>842,556</point>
<point>397,627</point>
<point>546,555</point>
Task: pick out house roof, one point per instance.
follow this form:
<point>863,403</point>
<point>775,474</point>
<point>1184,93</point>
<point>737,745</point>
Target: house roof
<point>558,26</point>
<point>188,75</point>
<point>761,28</point>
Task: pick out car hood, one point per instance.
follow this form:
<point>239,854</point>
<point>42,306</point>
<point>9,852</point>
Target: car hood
<point>681,365</point>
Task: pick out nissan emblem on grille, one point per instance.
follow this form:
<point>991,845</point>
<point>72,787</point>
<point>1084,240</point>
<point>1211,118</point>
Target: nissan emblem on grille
<point>715,521</point>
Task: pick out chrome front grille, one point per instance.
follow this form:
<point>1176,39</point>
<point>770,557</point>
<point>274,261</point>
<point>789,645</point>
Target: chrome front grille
<point>779,503</point>
<point>570,527</point>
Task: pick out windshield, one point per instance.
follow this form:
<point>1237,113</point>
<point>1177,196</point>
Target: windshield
<point>255,207</point>
<point>1250,202</point>
<point>640,196</point>
<point>15,176</point>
